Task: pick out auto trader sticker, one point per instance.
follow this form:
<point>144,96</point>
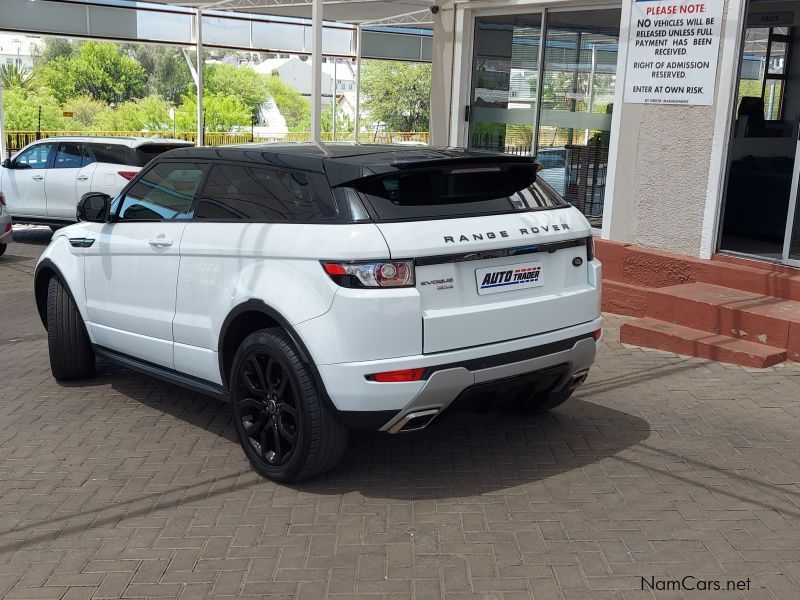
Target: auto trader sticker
<point>509,277</point>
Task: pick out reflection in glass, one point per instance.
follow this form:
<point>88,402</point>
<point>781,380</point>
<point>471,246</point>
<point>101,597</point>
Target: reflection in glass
<point>505,83</point>
<point>578,86</point>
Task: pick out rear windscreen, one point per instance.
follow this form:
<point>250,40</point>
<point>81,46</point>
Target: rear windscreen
<point>148,152</point>
<point>459,192</point>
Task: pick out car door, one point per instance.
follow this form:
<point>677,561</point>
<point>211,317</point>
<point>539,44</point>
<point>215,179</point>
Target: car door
<point>62,181</point>
<point>83,183</point>
<point>132,268</point>
<point>24,182</point>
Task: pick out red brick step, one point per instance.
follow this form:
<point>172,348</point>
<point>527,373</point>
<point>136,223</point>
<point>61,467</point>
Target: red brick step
<point>652,333</point>
<point>729,312</point>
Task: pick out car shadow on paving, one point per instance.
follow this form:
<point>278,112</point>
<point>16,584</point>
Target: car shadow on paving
<point>461,454</point>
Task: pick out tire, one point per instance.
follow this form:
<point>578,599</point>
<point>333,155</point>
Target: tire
<point>284,427</point>
<point>71,354</point>
<point>3,249</point>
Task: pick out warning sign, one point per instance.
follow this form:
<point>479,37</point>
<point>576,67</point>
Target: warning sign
<point>672,51</point>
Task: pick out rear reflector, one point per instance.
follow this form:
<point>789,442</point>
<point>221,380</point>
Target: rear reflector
<point>127,174</point>
<point>398,376</point>
<point>597,335</point>
<point>2,199</point>
<point>7,228</point>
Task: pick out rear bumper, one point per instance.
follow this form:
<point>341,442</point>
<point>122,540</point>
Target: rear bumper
<point>449,374</point>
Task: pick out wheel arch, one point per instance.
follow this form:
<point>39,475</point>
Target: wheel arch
<point>247,317</point>
<point>45,271</point>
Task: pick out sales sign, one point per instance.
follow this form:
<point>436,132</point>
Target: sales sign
<point>672,51</point>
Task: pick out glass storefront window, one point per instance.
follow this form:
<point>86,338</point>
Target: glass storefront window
<point>562,114</point>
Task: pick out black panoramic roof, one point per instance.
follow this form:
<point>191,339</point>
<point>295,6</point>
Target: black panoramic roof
<point>345,162</point>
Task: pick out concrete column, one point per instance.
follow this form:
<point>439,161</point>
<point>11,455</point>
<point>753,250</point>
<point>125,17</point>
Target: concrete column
<point>442,76</point>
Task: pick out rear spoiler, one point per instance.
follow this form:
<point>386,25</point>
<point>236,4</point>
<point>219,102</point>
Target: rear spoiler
<point>344,174</point>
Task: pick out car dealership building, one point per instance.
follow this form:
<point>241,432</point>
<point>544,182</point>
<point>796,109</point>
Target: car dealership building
<point>671,124</point>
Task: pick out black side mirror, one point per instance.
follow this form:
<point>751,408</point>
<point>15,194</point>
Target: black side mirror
<point>6,164</point>
<point>93,207</point>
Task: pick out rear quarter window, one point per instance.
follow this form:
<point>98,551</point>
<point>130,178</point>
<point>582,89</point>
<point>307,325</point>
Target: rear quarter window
<point>115,154</point>
<point>147,152</point>
<point>460,192</point>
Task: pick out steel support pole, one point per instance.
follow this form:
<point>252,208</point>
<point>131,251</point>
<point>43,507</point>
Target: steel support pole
<point>316,65</point>
<point>357,119</point>
<point>3,155</point>
<point>199,63</point>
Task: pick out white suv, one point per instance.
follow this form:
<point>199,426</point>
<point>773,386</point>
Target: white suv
<point>44,181</point>
<point>324,288</point>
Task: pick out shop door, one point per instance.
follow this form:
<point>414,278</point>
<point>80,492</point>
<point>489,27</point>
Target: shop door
<point>543,85</point>
<point>791,245</point>
<point>502,110</point>
<point>578,86</point>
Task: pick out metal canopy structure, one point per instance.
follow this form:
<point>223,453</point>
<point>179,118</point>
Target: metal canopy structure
<point>250,25</point>
<point>357,12</point>
<point>383,12</point>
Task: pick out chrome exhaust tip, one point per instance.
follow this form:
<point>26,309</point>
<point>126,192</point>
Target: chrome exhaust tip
<point>414,421</point>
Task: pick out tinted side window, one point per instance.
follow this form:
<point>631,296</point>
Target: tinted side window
<point>166,191</point>
<point>68,156</point>
<point>33,158</point>
<point>112,153</point>
<point>252,193</point>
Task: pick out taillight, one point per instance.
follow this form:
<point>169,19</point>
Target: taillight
<point>401,376</point>
<point>589,248</point>
<point>127,174</point>
<point>2,199</point>
<point>373,274</point>
<point>597,335</point>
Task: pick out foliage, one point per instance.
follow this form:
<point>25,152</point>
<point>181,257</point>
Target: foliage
<point>397,94</point>
<point>147,114</point>
<point>99,70</point>
<point>222,113</point>
<point>86,112</point>
<point>295,109</point>
<point>21,109</point>
<point>49,49</point>
<point>168,73</point>
<point>250,88</point>
<point>15,76</point>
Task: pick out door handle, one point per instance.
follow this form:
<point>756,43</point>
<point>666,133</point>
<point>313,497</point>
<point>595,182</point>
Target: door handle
<point>82,177</point>
<point>160,242</point>
<point>38,177</point>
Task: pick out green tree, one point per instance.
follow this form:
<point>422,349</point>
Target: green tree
<point>168,73</point>
<point>98,70</point>
<point>14,76</point>
<point>397,94</point>
<point>21,110</point>
<point>146,114</point>
<point>86,112</point>
<point>295,109</point>
<point>52,48</point>
<point>222,79</point>
<point>222,113</point>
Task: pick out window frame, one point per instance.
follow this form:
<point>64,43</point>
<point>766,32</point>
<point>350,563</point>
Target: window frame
<point>80,145</point>
<point>51,156</point>
<point>315,181</point>
<point>120,199</point>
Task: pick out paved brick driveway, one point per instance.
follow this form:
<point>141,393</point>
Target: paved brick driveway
<point>662,467</point>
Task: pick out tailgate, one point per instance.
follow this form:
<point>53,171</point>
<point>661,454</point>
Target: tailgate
<point>484,280</point>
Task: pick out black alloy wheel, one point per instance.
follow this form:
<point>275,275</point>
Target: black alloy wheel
<point>268,409</point>
<point>287,430</point>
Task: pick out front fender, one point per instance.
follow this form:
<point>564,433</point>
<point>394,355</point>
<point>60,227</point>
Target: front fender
<point>62,260</point>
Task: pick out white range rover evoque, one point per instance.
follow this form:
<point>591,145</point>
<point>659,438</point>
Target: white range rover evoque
<point>326,288</point>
